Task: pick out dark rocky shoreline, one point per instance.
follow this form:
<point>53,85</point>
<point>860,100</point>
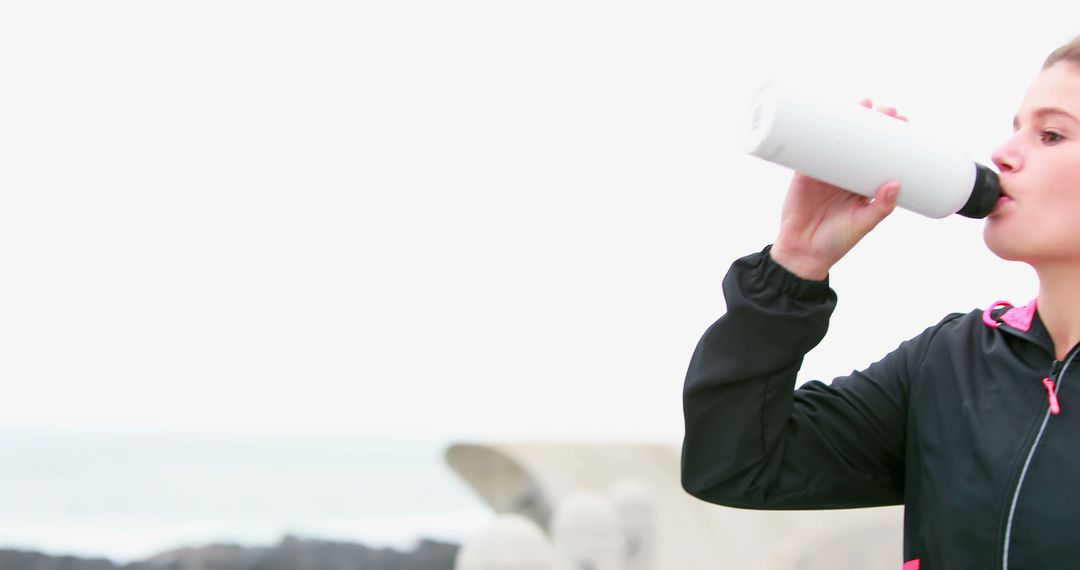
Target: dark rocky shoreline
<point>292,553</point>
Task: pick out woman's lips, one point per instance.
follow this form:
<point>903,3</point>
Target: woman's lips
<point>1001,202</point>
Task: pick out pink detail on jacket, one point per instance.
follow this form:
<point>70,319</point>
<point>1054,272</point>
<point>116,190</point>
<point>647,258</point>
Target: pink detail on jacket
<point>911,565</point>
<point>988,316</point>
<point>1055,407</point>
<point>1019,318</point>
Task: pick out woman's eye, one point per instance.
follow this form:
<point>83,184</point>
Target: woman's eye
<point>1050,137</point>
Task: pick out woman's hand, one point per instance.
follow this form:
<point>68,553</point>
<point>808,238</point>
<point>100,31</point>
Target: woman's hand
<point>820,222</point>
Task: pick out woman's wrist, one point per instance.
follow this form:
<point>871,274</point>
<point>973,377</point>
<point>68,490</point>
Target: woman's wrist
<point>802,266</point>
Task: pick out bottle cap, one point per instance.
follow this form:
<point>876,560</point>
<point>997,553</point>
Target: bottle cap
<point>984,194</point>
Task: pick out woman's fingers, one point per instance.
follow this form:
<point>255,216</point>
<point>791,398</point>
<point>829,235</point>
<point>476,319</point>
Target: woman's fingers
<point>879,208</point>
<point>890,111</point>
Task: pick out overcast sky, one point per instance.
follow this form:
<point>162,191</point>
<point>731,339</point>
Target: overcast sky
<point>461,220</point>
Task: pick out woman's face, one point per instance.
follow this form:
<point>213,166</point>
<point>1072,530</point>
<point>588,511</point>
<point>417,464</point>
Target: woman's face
<point>1039,219</point>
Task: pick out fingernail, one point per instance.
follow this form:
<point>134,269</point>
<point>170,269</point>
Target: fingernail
<point>892,193</point>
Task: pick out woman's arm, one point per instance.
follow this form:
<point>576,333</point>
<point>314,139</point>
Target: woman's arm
<point>752,441</point>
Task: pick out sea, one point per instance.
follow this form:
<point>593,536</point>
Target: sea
<point>126,496</point>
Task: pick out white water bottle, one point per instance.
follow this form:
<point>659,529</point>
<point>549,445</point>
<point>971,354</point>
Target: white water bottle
<point>859,149</point>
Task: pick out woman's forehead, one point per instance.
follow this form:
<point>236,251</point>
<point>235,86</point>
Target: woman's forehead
<point>1055,91</point>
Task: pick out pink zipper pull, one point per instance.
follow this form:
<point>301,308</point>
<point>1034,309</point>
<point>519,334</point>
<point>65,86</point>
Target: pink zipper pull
<point>1054,407</point>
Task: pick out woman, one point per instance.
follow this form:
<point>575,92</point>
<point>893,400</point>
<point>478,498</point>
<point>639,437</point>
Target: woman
<point>973,425</point>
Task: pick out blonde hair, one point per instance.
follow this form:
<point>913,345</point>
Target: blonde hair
<point>1068,52</point>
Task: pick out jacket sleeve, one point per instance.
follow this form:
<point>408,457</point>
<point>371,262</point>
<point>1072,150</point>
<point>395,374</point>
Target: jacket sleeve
<point>752,441</point>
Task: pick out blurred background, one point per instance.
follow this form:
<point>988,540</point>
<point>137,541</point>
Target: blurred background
<point>261,263</point>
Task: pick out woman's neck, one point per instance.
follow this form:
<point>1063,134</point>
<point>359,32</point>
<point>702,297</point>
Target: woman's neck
<point>1059,305</point>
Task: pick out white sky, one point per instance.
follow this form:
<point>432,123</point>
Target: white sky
<point>465,220</point>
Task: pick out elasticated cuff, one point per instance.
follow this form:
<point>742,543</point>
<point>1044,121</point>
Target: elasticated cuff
<point>776,276</point>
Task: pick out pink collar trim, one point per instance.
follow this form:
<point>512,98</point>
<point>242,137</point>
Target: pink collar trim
<point>1019,318</point>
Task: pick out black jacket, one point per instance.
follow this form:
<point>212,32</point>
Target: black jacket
<point>956,424</point>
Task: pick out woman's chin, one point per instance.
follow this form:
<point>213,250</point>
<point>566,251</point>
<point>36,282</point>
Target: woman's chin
<point>1000,244</point>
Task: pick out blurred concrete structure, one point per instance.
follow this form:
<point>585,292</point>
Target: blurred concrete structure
<point>636,508</point>
<point>532,479</point>
<point>586,532</point>
<point>510,541</point>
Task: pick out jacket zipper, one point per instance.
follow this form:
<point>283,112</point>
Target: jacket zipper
<point>1053,385</point>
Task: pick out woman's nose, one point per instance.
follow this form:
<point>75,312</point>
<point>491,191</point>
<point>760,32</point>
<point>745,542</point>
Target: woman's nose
<point>1007,158</point>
